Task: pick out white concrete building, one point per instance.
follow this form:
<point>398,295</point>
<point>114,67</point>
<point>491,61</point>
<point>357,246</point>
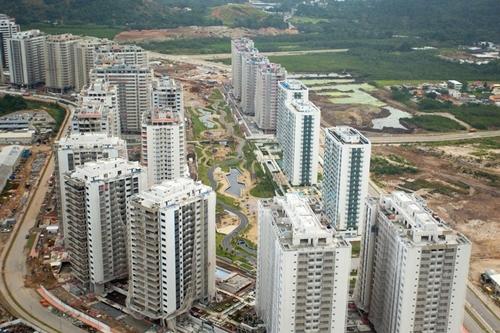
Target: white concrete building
<point>77,149</point>
<point>238,48</point>
<point>302,271</point>
<point>26,58</point>
<point>346,165</point>
<point>134,91</point>
<point>60,62</point>
<point>167,93</point>
<point>98,109</point>
<point>163,148</point>
<point>251,63</point>
<point>127,54</point>
<point>84,59</point>
<point>96,209</point>
<point>266,95</point>
<point>171,237</point>
<point>413,269</point>
<point>298,130</point>
<point>8,27</point>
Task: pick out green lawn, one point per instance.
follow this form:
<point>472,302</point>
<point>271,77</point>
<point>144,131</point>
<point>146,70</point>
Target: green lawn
<point>478,116</point>
<point>372,64</point>
<point>381,165</point>
<point>100,31</point>
<point>434,123</point>
<point>198,126</point>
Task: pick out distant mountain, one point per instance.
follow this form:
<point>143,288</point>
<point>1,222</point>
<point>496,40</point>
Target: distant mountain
<point>132,13</point>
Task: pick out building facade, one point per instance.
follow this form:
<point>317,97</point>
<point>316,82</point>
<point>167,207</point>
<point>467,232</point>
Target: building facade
<point>413,273</point>
<point>98,109</point>
<point>167,93</point>
<point>251,62</point>
<point>26,58</point>
<point>171,236</point>
<point>163,148</point>
<point>238,48</point>
<point>126,54</point>
<point>303,269</point>
<point>266,95</point>
<point>85,51</point>
<point>134,91</point>
<point>346,165</point>
<point>8,27</point>
<point>77,149</point>
<point>96,209</point>
<point>298,130</point>
<point>60,62</point>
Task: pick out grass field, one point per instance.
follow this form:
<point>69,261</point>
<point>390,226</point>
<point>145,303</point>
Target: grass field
<point>374,64</point>
<point>100,31</point>
<point>229,13</point>
<point>434,123</point>
<point>478,116</point>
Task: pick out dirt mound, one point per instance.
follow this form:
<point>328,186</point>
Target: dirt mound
<point>160,35</point>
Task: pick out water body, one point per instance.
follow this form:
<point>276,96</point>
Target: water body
<point>391,121</point>
<point>221,273</point>
<point>206,119</point>
<point>235,186</point>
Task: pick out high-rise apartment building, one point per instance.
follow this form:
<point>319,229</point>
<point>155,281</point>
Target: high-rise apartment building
<point>126,54</point>
<point>413,269</point>
<point>346,165</point>
<point>266,95</point>
<point>251,62</point>
<point>163,148</point>
<point>26,58</point>
<point>298,130</point>
<point>60,62</point>
<point>96,209</point>
<point>167,93</point>
<point>84,59</point>
<point>302,271</point>
<point>8,27</point>
<point>134,91</point>
<point>77,149</point>
<point>171,237</point>
<point>238,48</point>
<point>98,109</point>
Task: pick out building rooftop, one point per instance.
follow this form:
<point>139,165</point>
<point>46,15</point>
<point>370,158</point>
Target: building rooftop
<point>27,34</point>
<point>62,38</point>
<point>162,116</point>
<point>293,85</point>
<point>171,192</point>
<point>347,135</point>
<point>88,141</point>
<point>9,155</point>
<point>415,221</point>
<point>304,106</point>
<point>106,169</point>
<point>297,226</point>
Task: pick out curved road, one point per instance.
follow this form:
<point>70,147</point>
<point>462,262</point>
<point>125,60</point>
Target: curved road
<point>24,302</point>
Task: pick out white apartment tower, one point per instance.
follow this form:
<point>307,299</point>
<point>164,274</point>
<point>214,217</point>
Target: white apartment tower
<point>238,48</point>
<point>413,269</point>
<point>96,208</point>
<point>302,271</point>
<point>84,59</point>
<point>167,93</point>
<point>77,149</point>
<point>346,165</point>
<point>163,149</point>
<point>298,129</point>
<point>134,91</point>
<point>171,237</point>
<point>60,62</point>
<point>26,58</point>
<point>251,62</point>
<point>98,109</point>
<point>132,55</point>
<point>8,27</point>
<point>266,95</point>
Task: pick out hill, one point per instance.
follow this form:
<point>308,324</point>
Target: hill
<point>244,15</point>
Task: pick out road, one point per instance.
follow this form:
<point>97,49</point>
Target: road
<point>415,138</point>
<point>24,302</point>
<point>490,318</point>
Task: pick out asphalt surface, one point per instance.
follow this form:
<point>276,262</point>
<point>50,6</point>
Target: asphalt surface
<point>411,138</point>
<point>22,301</point>
<point>490,318</point>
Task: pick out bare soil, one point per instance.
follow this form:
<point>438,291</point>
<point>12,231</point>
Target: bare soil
<point>160,35</point>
